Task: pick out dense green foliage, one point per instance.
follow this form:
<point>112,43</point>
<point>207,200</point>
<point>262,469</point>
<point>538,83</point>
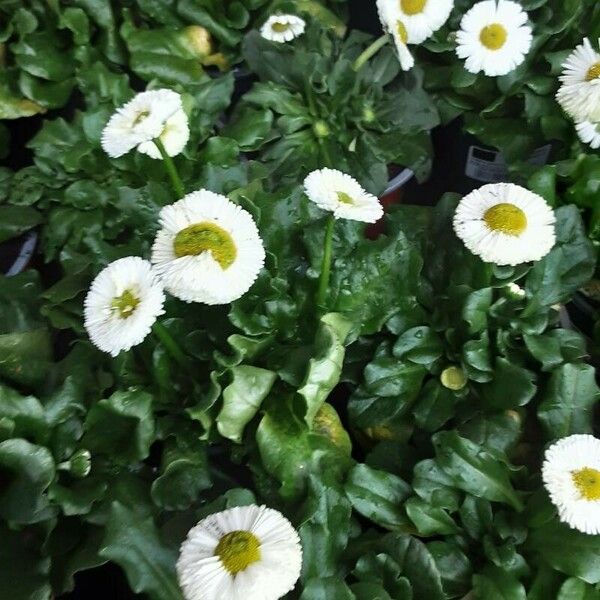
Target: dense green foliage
<point>400,487</point>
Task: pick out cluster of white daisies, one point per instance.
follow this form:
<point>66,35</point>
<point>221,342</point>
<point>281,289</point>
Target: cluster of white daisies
<point>208,249</point>
<point>579,94</point>
<point>494,36</point>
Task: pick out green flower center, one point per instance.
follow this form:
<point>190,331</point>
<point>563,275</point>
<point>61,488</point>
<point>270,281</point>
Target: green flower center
<point>506,218</point>
<point>493,36</point>
<point>402,32</point>
<point>206,237</point>
<point>453,378</point>
<point>345,198</point>
<point>141,116</point>
<point>412,7</point>
<point>587,482</point>
<point>238,550</point>
<point>280,27</point>
<point>593,72</point>
<point>125,304</point>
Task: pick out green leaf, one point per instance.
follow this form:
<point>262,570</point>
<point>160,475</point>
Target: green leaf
<point>327,588</point>
<point>25,356</point>
<point>242,399</point>
<point>377,495</point>
<point>575,589</point>
<point>574,553</point>
<point>511,386</point>
<point>474,469</point>
<point>26,471</point>
<point>15,220</point>
<point>121,426</point>
<point>135,545</point>
<point>324,531</point>
<point>429,520</point>
<point>251,129</point>
<point>25,412</point>
<point>23,567</point>
<point>324,368</point>
<point>291,452</point>
<point>416,564</point>
<point>420,345</point>
<point>568,266</point>
<point>184,475</point>
<point>475,309</point>
<point>453,566</point>
<point>434,406</point>
<point>497,584</point>
<point>568,401</point>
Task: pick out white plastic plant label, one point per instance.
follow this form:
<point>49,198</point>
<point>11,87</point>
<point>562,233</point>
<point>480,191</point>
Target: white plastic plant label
<point>489,166</point>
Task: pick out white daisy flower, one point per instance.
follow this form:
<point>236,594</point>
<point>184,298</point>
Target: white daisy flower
<point>589,133</point>
<point>393,25</point>
<point>122,305</point>
<point>283,28</point>
<point>208,250</point>
<point>579,94</point>
<point>571,474</point>
<point>505,224</point>
<point>494,37</point>
<point>140,120</point>
<point>342,195</point>
<point>174,136</point>
<point>420,18</point>
<point>244,553</point>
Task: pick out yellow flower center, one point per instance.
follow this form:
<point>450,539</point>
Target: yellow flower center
<point>506,218</point>
<point>280,27</point>
<point>402,32</point>
<point>345,198</point>
<point>453,378</point>
<point>206,237</point>
<point>238,550</point>
<point>125,304</point>
<point>141,116</point>
<point>593,72</point>
<point>493,36</point>
<point>587,482</point>
<point>412,7</point>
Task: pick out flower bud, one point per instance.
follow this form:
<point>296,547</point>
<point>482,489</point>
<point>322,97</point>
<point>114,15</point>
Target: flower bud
<point>453,378</point>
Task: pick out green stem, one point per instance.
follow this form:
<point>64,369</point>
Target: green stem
<point>325,152</point>
<point>370,52</point>
<point>310,98</point>
<point>326,265</point>
<point>171,169</point>
<point>172,347</point>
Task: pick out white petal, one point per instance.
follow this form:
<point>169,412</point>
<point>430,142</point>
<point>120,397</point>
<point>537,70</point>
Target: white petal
<point>532,244</point>
<point>478,57</point>
<point>561,459</point>
<point>107,329</point>
<point>294,27</point>
<point>202,576</point>
<point>141,120</point>
<point>324,185</point>
<point>201,278</point>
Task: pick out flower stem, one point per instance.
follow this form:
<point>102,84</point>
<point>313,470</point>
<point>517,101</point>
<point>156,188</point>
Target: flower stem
<point>172,347</point>
<point>326,264</point>
<point>370,52</point>
<point>171,169</point>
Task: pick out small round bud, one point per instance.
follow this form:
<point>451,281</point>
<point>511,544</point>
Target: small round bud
<point>79,465</point>
<point>368,115</point>
<point>197,40</point>
<point>453,378</point>
<point>321,129</point>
